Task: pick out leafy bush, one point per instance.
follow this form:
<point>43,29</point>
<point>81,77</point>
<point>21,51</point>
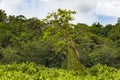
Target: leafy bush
<point>31,71</point>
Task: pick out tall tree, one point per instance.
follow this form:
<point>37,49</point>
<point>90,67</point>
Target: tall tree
<point>61,32</point>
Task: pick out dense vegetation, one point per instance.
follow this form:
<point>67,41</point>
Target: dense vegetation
<point>56,42</point>
<point>30,71</point>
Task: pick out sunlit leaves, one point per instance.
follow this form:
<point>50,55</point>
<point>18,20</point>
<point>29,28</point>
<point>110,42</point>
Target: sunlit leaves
<point>31,71</point>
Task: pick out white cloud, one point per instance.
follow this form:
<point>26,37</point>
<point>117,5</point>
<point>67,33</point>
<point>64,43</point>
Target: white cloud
<point>87,10</point>
<point>108,8</point>
<point>9,6</point>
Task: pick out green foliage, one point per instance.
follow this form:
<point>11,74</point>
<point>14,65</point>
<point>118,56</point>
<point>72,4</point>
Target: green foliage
<point>31,71</point>
<point>61,33</point>
<point>3,16</point>
<point>96,28</point>
<point>115,32</point>
<point>103,72</point>
<point>9,55</point>
<point>56,42</point>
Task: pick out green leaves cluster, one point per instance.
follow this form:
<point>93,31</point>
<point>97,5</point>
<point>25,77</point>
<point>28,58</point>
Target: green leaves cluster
<point>30,71</point>
<point>56,42</point>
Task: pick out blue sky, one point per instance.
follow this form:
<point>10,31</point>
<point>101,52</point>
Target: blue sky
<point>88,11</point>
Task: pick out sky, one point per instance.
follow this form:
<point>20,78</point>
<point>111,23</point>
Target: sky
<point>87,11</point>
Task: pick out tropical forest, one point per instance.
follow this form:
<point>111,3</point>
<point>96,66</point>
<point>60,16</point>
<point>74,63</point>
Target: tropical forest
<point>56,48</point>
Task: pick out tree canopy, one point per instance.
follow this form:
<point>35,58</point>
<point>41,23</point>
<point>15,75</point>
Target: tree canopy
<point>57,42</point>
